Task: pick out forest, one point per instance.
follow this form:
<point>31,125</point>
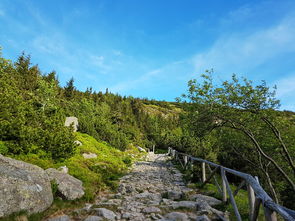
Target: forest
<point>236,123</point>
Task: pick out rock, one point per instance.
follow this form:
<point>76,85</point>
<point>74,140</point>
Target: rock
<point>105,213</point>
<point>151,209</point>
<point>93,218</point>
<point>202,218</point>
<point>23,187</point>
<point>176,216</point>
<point>205,209</point>
<point>148,196</point>
<point>60,218</point>
<point>127,215</point>
<point>72,121</point>
<point>89,155</point>
<point>77,142</point>
<point>140,149</point>
<point>174,195</point>
<point>63,169</point>
<point>185,204</point>
<point>70,187</point>
<point>210,200</point>
<point>87,206</point>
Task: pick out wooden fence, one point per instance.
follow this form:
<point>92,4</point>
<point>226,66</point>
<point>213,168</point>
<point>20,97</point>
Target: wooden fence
<point>256,194</point>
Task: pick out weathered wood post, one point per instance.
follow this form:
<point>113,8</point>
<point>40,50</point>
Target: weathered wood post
<point>191,164</point>
<point>154,148</point>
<point>231,196</point>
<point>203,172</point>
<point>224,196</point>
<point>251,199</point>
<point>185,160</point>
<point>269,214</point>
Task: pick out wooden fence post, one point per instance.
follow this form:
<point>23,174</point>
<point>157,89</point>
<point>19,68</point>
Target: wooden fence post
<point>270,215</point>
<point>203,172</point>
<point>232,199</point>
<point>185,161</point>
<point>251,199</point>
<point>224,196</point>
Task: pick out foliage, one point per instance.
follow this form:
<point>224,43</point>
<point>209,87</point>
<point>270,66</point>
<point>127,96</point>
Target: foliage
<point>242,119</point>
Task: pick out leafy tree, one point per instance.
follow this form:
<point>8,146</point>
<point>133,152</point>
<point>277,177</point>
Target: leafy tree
<point>248,109</point>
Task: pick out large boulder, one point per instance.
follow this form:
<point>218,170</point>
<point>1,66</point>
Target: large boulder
<point>72,121</point>
<point>68,186</point>
<point>23,187</point>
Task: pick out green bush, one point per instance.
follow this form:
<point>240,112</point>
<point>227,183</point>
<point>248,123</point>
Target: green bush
<point>3,148</point>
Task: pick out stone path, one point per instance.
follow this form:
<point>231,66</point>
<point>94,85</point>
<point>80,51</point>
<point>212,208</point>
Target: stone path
<point>153,190</point>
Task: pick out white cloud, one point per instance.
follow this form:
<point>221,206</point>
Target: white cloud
<point>135,83</point>
<point>239,52</point>
<point>97,60</point>
<point>163,77</point>
<point>49,44</point>
<point>286,87</point>
<point>117,53</point>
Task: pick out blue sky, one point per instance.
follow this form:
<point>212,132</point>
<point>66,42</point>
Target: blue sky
<point>151,48</point>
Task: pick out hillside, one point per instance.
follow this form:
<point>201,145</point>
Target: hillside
<point>33,108</point>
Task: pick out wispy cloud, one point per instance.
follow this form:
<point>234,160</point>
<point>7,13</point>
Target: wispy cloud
<point>135,83</point>
<point>237,52</point>
<point>161,79</point>
<point>286,86</point>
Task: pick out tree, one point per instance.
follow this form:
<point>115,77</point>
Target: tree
<point>69,89</point>
<point>248,109</point>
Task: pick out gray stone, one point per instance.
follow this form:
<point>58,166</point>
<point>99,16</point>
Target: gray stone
<point>60,218</point>
<point>93,218</point>
<point>89,155</point>
<point>174,195</point>
<point>72,121</point>
<point>176,216</point>
<point>202,218</point>
<point>105,213</point>
<point>70,187</point>
<point>185,204</point>
<point>210,200</point>
<point>127,215</point>
<point>23,187</point>
<point>146,196</point>
<point>151,209</point>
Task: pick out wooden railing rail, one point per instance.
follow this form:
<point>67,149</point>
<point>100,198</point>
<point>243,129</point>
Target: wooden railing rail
<point>256,194</point>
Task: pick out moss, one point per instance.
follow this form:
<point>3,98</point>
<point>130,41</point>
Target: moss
<point>103,171</point>
<point>97,173</point>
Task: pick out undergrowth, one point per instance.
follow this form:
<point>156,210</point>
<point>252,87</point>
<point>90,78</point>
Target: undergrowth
<point>97,174</point>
